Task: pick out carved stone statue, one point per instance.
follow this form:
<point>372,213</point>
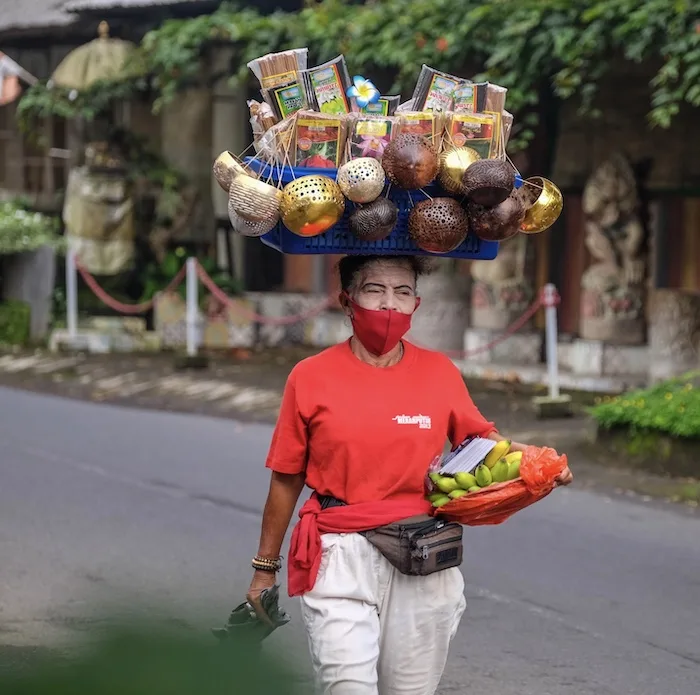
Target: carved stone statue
<point>501,290</point>
<point>613,287</point>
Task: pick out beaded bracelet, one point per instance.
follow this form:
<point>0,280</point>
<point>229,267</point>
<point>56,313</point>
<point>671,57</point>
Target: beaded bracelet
<point>266,564</point>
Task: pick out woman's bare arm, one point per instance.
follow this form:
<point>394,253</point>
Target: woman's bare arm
<point>281,501</point>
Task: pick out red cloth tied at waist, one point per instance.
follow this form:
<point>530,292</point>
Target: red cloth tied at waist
<point>305,547</point>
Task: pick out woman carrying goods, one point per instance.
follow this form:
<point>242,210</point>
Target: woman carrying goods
<point>359,424</point>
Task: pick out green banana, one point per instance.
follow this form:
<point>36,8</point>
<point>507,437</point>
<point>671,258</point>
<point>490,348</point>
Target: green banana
<point>441,501</point>
<point>446,484</point>
<point>483,476</point>
<point>465,480</point>
<point>456,494</point>
<point>499,472</point>
<point>476,488</point>
<point>497,453</point>
<point>514,470</point>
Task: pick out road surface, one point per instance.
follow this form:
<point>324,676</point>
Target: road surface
<point>578,595</point>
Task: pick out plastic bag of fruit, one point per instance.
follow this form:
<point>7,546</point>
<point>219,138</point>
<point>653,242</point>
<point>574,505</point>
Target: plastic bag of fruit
<point>498,487</point>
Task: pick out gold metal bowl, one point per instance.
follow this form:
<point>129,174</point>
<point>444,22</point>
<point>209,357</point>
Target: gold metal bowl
<point>311,205</point>
<point>546,208</point>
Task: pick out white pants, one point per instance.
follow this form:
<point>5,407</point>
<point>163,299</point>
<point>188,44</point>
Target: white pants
<point>373,630</point>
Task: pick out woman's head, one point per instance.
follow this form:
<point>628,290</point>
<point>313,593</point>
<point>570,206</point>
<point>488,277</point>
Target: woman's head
<point>381,282</point>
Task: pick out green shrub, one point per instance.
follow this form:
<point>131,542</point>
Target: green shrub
<point>22,229</point>
<point>671,407</point>
<point>14,322</point>
<point>147,660</point>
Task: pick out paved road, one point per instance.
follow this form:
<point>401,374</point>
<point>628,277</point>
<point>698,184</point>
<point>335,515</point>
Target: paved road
<point>578,595</point>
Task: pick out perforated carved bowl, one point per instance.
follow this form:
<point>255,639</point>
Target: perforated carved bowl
<point>374,221</point>
<point>246,227</point>
<point>254,200</point>
<point>410,161</point>
<point>438,225</point>
<point>311,205</point>
<point>361,180</point>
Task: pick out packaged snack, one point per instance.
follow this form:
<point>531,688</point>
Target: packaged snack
<point>386,106</point>
<point>434,90</point>
<point>327,85</point>
<point>285,100</point>
<point>261,118</point>
<point>475,130</point>
<point>495,103</point>
<point>370,134</point>
<point>319,140</point>
<point>470,97</point>
<point>430,125</point>
<point>406,106</point>
<point>278,69</point>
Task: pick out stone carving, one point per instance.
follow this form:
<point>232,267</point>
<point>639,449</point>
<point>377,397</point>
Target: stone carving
<point>613,287</point>
<point>501,291</point>
<point>674,335</point>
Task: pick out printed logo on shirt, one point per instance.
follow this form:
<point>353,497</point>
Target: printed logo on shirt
<point>423,421</point>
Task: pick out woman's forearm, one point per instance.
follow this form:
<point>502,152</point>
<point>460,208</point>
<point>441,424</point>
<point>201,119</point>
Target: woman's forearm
<point>281,501</point>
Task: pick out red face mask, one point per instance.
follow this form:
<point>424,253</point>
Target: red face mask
<point>379,330</point>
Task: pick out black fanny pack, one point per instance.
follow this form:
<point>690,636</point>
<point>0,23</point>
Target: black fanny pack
<point>419,545</point>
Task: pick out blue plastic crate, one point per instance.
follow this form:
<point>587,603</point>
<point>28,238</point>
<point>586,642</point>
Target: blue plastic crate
<point>340,240</point>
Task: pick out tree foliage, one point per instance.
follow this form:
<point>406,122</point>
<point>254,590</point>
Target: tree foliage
<point>566,46</point>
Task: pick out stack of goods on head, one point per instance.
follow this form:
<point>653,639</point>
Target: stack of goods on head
<point>332,153</point>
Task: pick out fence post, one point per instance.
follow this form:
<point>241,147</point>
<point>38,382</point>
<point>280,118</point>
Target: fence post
<point>551,338</point>
<point>554,404</point>
<point>71,294</point>
<point>192,305</point>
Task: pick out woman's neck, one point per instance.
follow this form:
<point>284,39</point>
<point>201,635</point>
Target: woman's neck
<point>387,360</point>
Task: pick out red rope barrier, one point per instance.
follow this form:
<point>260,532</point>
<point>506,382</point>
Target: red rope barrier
<point>115,304</point>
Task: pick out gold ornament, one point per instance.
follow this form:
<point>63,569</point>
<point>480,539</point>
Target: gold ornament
<point>361,180</point>
<point>311,205</point>
<point>546,207</point>
<point>226,168</point>
<point>255,200</point>
<point>453,164</point>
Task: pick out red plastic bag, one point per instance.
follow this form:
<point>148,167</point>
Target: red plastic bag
<point>539,469</point>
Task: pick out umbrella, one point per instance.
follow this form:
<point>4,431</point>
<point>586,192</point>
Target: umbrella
<point>11,76</point>
<point>103,58</point>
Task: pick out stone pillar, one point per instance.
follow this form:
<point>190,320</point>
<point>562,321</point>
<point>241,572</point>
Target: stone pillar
<point>502,290</point>
<point>443,315</point>
<point>613,287</point>
<point>674,333</point>
<point>187,146</point>
<point>29,277</point>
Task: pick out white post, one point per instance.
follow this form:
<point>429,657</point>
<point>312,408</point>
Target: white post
<point>551,339</point>
<point>71,294</point>
<point>192,303</point>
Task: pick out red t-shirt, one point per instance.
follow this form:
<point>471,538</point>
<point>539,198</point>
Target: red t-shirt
<point>364,433</point>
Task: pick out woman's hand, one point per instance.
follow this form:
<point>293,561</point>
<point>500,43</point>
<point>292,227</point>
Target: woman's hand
<point>261,581</point>
<point>565,477</point>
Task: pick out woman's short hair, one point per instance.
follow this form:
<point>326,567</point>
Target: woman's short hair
<point>349,267</point>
